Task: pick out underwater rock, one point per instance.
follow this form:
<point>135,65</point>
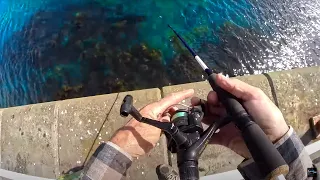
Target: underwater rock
<point>155,55</point>
<point>68,92</point>
<point>177,45</point>
<point>135,68</point>
<point>120,24</point>
<point>143,67</point>
<point>75,88</point>
<point>79,44</point>
<point>80,15</point>
<point>184,69</point>
<point>101,46</point>
<point>119,9</point>
<point>77,55</point>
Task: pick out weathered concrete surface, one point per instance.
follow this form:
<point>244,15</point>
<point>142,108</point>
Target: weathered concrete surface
<point>27,135</point>
<point>46,139</point>
<point>298,94</point>
<point>80,121</point>
<point>216,158</point>
<point>1,110</point>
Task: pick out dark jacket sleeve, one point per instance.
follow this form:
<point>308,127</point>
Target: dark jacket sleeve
<point>292,150</point>
<point>108,162</point>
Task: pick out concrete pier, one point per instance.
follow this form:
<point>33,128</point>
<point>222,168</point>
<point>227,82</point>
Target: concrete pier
<point>50,138</point>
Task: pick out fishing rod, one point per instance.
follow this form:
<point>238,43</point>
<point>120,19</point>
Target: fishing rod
<point>268,159</point>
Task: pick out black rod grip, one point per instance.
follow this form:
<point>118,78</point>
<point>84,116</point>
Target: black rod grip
<point>188,170</point>
<point>270,162</point>
<point>230,102</point>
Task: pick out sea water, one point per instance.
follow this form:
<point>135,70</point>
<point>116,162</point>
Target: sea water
<point>52,49</point>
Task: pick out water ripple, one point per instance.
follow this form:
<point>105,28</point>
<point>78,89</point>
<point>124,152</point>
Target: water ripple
<point>234,37</point>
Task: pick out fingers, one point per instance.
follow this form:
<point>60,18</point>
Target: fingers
<point>218,110</point>
<point>167,116</point>
<point>209,119</point>
<point>172,110</point>
<point>174,98</point>
<point>211,107</point>
<point>230,137</point>
<point>225,135</point>
<point>236,87</point>
<point>165,119</point>
<point>195,101</point>
<point>212,98</point>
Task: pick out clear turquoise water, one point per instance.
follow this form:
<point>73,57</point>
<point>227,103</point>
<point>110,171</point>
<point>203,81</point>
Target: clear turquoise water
<point>40,58</point>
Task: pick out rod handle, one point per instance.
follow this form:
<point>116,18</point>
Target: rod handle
<point>231,103</point>
<point>188,170</point>
<point>268,159</point>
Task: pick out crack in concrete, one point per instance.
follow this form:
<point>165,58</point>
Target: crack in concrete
<point>168,158</point>
<point>1,110</point>
<point>273,90</point>
<point>55,140</point>
<point>101,127</point>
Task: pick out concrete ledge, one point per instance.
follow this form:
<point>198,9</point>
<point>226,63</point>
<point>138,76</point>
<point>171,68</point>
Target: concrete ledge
<point>298,93</point>
<point>1,110</point>
<point>79,121</point>
<point>46,139</point>
<point>27,135</point>
<point>50,138</point>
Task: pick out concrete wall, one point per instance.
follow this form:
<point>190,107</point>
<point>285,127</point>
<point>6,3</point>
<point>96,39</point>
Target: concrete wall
<point>50,138</point>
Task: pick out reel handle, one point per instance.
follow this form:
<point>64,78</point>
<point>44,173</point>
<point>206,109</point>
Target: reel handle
<point>127,108</point>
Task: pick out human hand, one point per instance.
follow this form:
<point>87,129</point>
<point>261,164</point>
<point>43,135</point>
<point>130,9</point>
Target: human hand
<point>258,105</point>
<point>138,138</point>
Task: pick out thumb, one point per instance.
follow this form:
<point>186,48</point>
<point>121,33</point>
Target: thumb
<point>236,87</point>
<point>173,99</point>
<point>165,119</point>
<point>226,134</point>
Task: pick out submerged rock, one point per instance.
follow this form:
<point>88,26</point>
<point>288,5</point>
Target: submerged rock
<point>88,50</point>
<point>68,92</point>
<point>184,69</point>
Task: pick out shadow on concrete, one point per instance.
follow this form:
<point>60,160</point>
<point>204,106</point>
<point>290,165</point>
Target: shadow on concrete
<point>311,134</point>
<point>307,137</point>
<point>143,143</point>
<point>73,170</point>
